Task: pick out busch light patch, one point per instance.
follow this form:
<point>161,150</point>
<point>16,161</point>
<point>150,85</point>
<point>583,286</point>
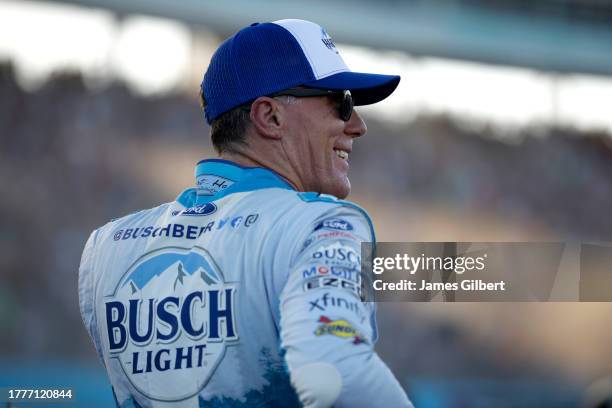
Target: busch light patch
<point>334,224</point>
<point>169,321</point>
<point>337,254</point>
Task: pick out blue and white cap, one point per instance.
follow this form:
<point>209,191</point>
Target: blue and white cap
<point>265,58</point>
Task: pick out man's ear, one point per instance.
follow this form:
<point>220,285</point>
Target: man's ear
<point>267,117</point>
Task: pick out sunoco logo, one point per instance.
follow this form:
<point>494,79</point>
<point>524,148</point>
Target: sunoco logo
<point>169,321</point>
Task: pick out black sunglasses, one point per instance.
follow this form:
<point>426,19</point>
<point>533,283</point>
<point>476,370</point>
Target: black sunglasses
<point>344,99</point>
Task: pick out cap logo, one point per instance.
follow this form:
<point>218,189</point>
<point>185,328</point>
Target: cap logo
<point>326,39</point>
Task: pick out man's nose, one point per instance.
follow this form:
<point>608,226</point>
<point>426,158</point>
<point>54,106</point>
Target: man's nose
<point>355,126</point>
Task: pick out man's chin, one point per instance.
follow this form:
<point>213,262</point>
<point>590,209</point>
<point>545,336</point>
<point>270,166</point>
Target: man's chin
<point>340,189</point>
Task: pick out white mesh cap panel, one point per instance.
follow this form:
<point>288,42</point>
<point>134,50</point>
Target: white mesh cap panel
<point>317,45</point>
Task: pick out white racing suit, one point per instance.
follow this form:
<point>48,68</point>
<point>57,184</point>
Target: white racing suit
<point>242,292</point>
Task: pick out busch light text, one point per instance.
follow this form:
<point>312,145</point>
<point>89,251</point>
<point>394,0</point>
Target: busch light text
<point>199,317</point>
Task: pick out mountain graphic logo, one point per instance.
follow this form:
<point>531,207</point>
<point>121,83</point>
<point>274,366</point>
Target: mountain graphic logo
<point>187,265</point>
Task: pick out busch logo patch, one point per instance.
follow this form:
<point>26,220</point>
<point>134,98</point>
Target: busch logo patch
<point>169,321</point>
<point>338,255</point>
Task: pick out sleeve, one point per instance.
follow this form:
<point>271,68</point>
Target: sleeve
<point>326,331</point>
<point>87,292</point>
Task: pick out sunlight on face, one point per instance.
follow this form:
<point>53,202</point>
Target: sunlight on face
<point>314,136</point>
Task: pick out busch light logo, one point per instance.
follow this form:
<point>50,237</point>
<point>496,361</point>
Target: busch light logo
<point>169,321</point>
<point>338,255</point>
<point>334,224</point>
<point>205,209</point>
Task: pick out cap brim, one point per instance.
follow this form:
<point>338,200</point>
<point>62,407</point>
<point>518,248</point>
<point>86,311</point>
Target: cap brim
<point>365,88</point>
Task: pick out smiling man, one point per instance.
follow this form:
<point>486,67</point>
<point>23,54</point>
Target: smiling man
<point>300,137</point>
<point>246,290</point>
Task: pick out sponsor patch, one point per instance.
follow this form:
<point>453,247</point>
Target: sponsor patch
<point>340,328</point>
<point>337,254</point>
<point>334,224</point>
<point>209,184</point>
<point>333,303</point>
<point>327,41</point>
<point>327,282</point>
<point>323,235</point>
<point>199,210</point>
<point>349,273</point>
<point>176,230</point>
<point>169,320</point>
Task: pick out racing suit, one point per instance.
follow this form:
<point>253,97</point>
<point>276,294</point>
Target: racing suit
<point>242,292</point>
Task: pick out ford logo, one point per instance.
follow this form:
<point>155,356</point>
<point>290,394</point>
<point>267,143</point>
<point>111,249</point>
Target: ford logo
<point>199,210</point>
<point>334,224</point>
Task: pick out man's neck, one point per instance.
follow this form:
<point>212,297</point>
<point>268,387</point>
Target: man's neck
<point>248,160</point>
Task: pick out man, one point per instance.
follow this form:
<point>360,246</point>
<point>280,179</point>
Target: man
<point>245,291</point>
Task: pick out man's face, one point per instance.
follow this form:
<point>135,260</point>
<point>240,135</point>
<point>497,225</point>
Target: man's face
<point>318,144</point>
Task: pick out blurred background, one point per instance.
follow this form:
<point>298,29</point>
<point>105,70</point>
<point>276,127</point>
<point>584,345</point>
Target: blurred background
<point>500,130</point>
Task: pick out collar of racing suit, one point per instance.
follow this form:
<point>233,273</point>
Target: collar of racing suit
<point>216,178</point>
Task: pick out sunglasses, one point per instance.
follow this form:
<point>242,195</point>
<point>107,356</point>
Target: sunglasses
<point>343,99</point>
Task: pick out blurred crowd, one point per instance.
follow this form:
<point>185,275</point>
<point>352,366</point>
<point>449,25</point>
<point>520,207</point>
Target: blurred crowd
<point>66,170</point>
<point>559,178</point>
<point>72,158</point>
